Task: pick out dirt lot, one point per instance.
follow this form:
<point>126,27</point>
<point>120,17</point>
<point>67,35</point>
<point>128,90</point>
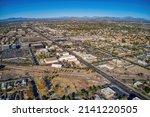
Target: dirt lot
<point>63,86</point>
<point>130,73</point>
<point>41,86</point>
<point>66,84</point>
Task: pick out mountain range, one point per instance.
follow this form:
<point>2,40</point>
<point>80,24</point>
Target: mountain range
<point>94,18</point>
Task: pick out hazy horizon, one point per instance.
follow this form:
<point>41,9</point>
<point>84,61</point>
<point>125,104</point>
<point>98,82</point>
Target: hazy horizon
<point>74,17</point>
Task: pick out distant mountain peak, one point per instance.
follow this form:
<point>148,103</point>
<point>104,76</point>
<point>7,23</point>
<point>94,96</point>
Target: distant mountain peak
<point>97,18</point>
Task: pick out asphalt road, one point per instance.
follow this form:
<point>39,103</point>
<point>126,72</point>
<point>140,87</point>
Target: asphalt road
<point>111,79</point>
<point>36,62</point>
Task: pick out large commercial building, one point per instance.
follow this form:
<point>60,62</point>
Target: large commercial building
<point>51,60</point>
<point>68,58</point>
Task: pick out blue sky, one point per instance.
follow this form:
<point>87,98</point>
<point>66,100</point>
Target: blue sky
<point>59,8</point>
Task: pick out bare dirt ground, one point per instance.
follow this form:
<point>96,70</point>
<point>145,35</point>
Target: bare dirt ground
<point>79,79</point>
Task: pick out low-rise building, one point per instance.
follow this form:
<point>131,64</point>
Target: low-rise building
<point>72,60</point>
<point>108,93</point>
<point>117,62</point>
<point>106,66</point>
<point>65,53</point>
<point>68,58</point>
<point>5,47</point>
<point>3,86</point>
<point>51,60</point>
<point>43,50</point>
<point>97,97</point>
<point>142,63</point>
<point>137,83</point>
<point>24,82</point>
<point>77,62</point>
<point>56,65</point>
<point>87,57</point>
